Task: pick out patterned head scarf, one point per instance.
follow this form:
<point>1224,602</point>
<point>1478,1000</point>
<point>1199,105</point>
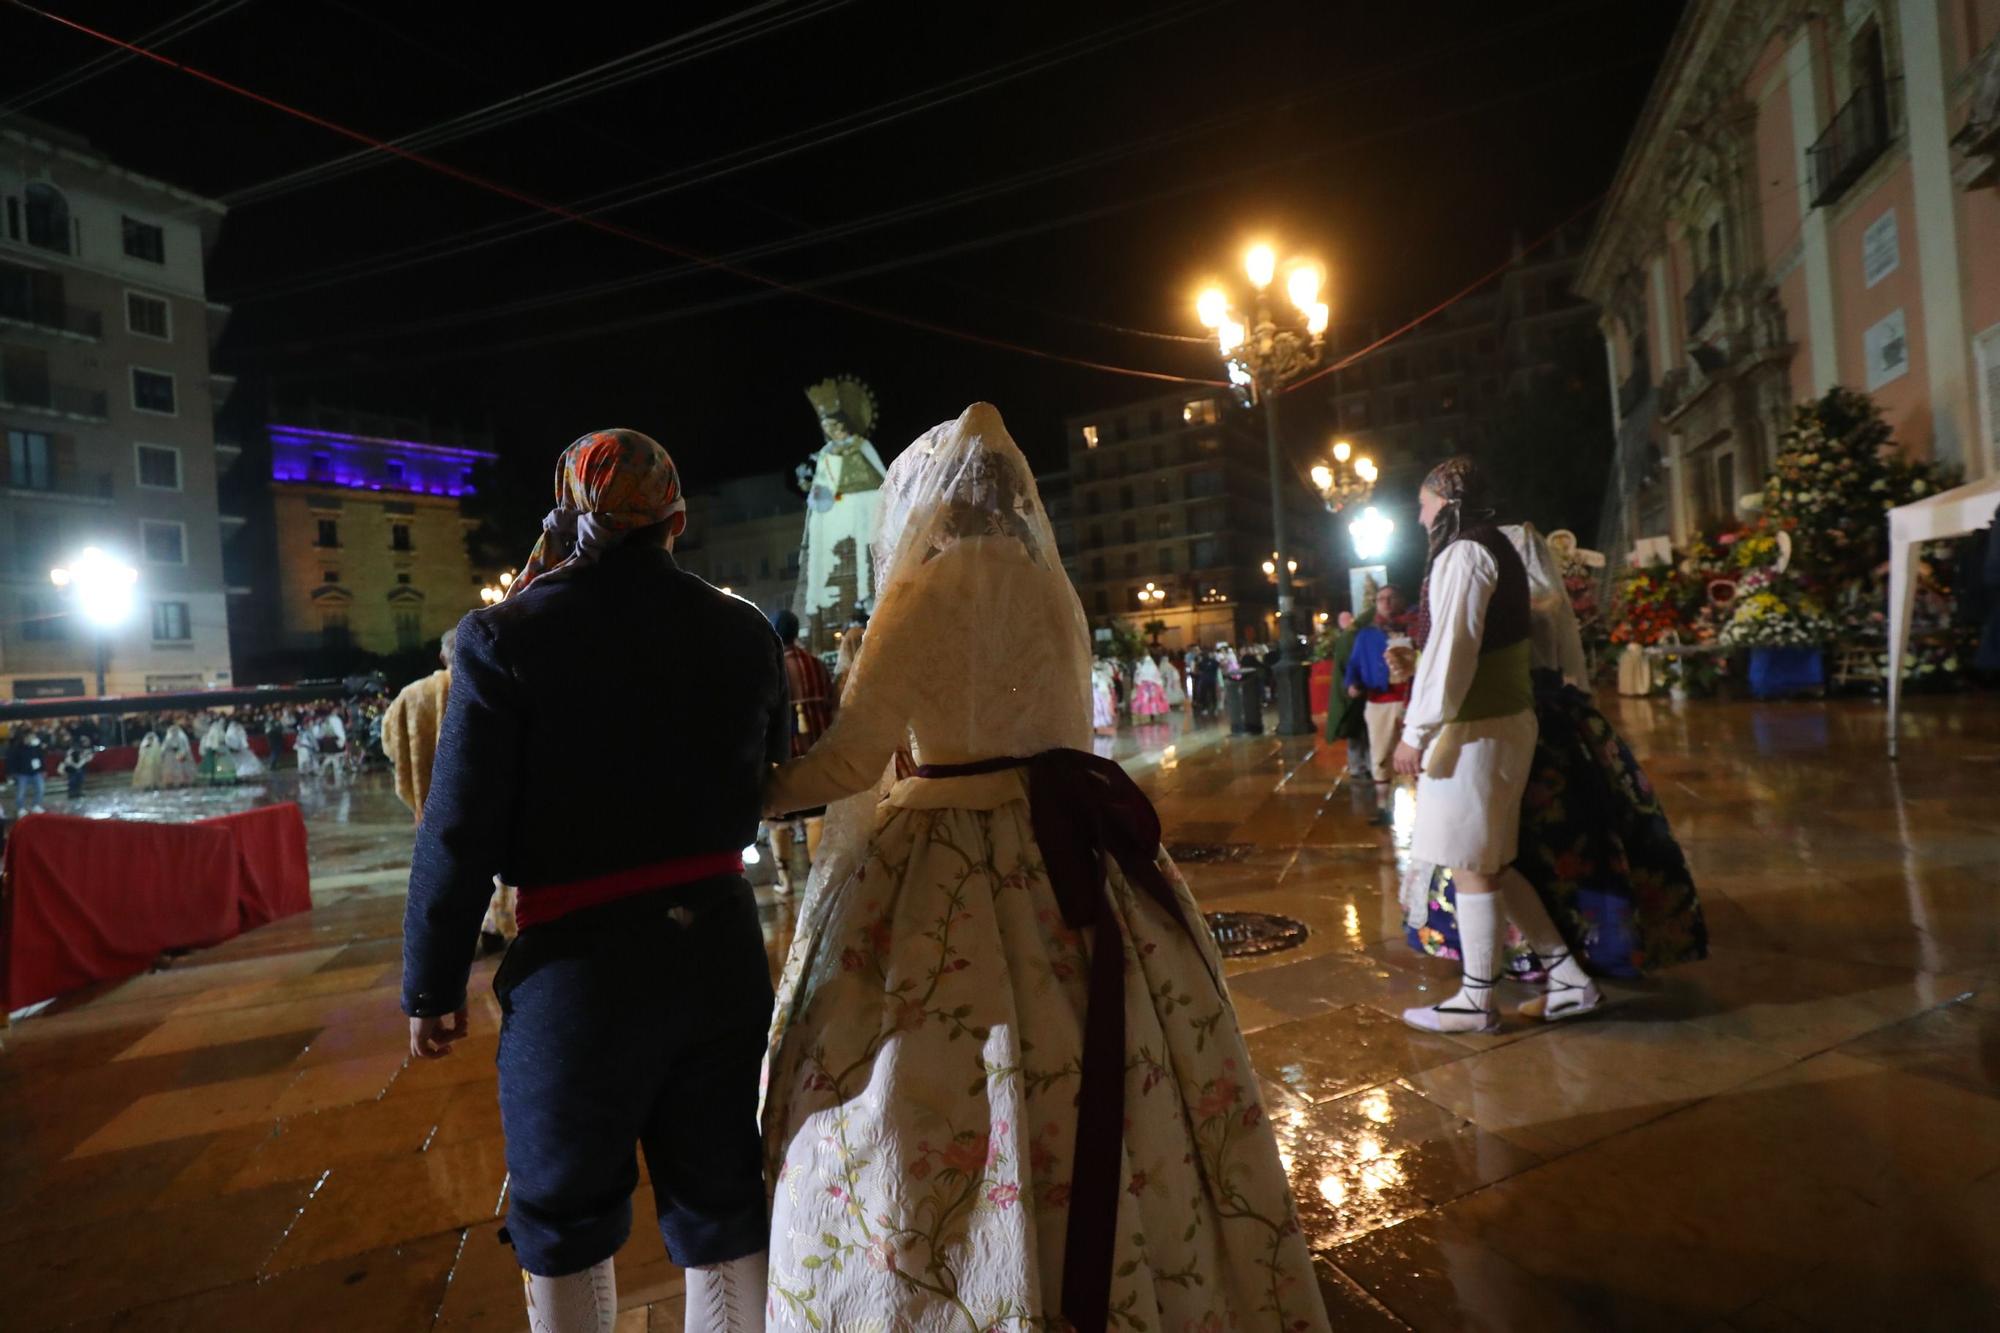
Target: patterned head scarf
<point>609,485</point>
<point>1461,484</point>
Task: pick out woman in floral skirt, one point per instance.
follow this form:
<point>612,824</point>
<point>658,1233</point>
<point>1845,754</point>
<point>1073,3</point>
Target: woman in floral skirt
<point>1006,1087</point>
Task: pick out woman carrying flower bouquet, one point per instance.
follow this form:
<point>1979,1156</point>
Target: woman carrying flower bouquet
<point>1594,840</point>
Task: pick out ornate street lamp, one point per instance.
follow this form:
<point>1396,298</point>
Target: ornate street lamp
<point>1266,344</point>
<point>495,591</point>
<point>1151,595</point>
<point>102,587</point>
<point>1370,533</point>
<point>1349,480</point>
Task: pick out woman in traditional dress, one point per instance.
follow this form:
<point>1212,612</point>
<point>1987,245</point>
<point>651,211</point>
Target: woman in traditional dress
<point>218,766</point>
<point>1006,1087</point>
<point>1171,674</point>
<point>176,757</point>
<point>237,740</point>
<point>1594,840</point>
<point>1149,692</point>
<point>146,772</point>
<point>1103,699</point>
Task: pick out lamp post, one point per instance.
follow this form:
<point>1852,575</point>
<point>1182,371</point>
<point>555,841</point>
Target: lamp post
<point>497,590</point>
<point>101,587</point>
<point>1266,349</point>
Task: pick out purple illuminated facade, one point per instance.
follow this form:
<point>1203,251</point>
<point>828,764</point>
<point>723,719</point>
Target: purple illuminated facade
<point>324,458</point>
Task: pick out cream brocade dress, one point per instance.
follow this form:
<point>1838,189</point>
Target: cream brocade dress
<point>920,1095</point>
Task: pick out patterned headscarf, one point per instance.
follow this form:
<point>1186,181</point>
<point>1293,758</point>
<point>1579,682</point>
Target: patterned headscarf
<point>1461,484</point>
<point>609,485</point>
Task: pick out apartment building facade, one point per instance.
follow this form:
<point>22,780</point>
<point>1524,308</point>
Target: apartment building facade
<point>1172,496</point>
<point>108,405</point>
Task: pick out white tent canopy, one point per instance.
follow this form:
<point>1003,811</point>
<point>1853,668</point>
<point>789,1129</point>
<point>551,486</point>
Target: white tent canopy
<point>1952,513</point>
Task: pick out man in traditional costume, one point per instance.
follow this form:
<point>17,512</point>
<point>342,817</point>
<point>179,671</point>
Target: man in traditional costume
<point>1469,740</point>
<point>636,999</point>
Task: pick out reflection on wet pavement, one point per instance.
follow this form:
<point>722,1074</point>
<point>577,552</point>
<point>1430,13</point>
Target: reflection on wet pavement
<point>1801,1132</point>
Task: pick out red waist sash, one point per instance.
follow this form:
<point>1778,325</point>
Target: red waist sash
<point>545,902</point>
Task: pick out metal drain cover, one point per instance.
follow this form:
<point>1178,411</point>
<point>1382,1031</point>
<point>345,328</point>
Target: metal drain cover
<point>1251,934</point>
<point>1199,853</point>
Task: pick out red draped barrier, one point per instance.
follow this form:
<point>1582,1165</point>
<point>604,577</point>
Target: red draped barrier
<point>95,900</point>
<point>273,877</point>
<point>1319,687</point>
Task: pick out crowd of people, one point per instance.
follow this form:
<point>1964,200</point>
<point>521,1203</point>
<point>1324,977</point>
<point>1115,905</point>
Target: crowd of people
<point>328,741</point>
<point>1155,685</point>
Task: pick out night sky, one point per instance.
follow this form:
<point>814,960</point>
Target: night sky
<point>1095,163</point>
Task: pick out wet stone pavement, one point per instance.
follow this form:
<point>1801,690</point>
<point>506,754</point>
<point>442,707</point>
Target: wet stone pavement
<point>1802,1132</point>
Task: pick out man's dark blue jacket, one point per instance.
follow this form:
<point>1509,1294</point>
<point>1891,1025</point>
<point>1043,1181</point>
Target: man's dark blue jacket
<point>615,717</point>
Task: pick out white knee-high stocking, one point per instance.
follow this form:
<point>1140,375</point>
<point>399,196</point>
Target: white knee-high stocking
<point>727,1297</point>
<point>1474,1008</point>
<point>585,1302</point>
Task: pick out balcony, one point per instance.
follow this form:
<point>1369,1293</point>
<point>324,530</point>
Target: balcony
<point>50,316</point>
<point>35,393</point>
<point>1702,299</point>
<point>1860,131</point>
<point>64,482</point>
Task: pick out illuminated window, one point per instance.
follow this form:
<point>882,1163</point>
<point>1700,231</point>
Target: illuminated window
<point>1200,412</point>
<point>1090,437</point>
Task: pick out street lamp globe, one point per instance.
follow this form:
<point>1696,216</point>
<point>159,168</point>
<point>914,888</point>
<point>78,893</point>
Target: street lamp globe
<point>1342,451</point>
<point>101,584</point>
<point>1302,285</point>
<point>1260,261</point>
<point>1322,476</point>
<point>1212,307</point>
<point>1370,533</point>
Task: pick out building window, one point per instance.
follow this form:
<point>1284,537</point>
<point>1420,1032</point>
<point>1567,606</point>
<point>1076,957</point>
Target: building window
<point>1206,482</point>
<point>153,391</point>
<point>1131,562</point>
<point>1399,369</point>
<point>1163,490</point>
<point>28,460</point>
<point>44,618</point>
<point>1205,554</point>
<point>1156,421</point>
<point>333,628</point>
<point>1096,535</point>
<point>1102,602</point>
<point>1097,567</point>
<point>393,467</point>
<point>170,622</point>
<point>1486,346</point>
<point>159,467</point>
<point>1356,413</point>
<point>48,217</point>
<point>164,542</point>
<point>1122,429</point>
<point>329,576</point>
<point>321,467</point>
<point>1128,531</point>
<point>1448,400</point>
<point>403,578</point>
<point>1164,525</point>
<point>148,316</point>
<point>1124,497</point>
<point>399,537</point>
<point>1090,437</point>
<point>145,241</point>
<point>1209,444</point>
<point>1200,412</point>
<point>329,533</point>
<point>1402,408</point>
<point>1166,559</point>
<point>1091,503</point>
<point>409,631</point>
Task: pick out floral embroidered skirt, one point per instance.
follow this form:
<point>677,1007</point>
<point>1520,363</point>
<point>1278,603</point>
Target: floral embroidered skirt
<point>920,1104</point>
<point>1596,845</point>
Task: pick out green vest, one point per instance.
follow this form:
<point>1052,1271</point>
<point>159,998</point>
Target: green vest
<point>1500,685</point>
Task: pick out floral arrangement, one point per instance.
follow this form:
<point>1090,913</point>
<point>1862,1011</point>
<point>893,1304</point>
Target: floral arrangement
<point>1773,617</point>
<point>1651,600</point>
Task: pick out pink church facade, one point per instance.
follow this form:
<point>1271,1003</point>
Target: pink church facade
<point>1811,198</point>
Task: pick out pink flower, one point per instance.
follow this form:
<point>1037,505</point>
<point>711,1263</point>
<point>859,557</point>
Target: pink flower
<point>1138,1185</point>
<point>1252,1114</point>
<point>852,960</point>
<point>967,1155</point>
<point>1003,1196</point>
<point>1218,1099</point>
<point>920,1169</point>
<point>836,1192</point>
<point>881,1255</point>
